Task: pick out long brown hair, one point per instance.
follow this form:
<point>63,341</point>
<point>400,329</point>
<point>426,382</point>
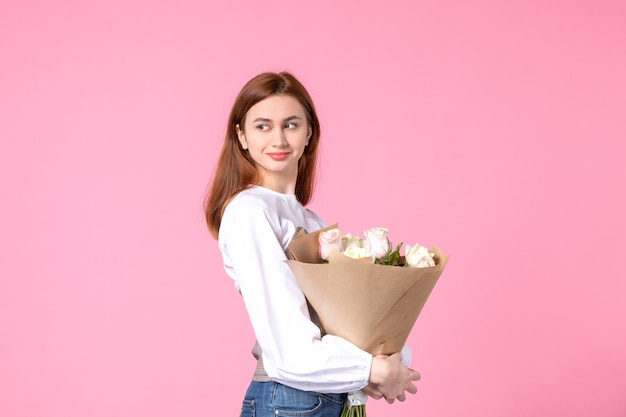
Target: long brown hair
<point>236,170</point>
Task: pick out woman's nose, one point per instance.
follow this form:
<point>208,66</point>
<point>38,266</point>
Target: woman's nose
<point>279,138</point>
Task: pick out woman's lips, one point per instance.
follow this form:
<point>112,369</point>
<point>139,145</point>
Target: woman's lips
<point>278,156</point>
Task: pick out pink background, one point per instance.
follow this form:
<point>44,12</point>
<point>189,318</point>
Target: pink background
<point>495,130</point>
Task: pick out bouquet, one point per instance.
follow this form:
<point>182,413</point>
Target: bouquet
<point>364,290</point>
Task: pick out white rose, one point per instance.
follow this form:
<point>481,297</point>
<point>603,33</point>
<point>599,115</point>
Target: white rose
<point>350,241</point>
<point>418,256</point>
<point>329,240</point>
<point>377,241</point>
<point>358,253</point>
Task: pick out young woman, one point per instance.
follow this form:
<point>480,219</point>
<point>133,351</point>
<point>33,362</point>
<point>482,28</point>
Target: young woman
<point>264,178</point>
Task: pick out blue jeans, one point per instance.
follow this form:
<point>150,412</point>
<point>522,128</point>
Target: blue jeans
<point>271,399</point>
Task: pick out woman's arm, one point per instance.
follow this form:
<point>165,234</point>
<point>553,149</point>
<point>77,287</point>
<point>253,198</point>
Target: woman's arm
<point>293,351</point>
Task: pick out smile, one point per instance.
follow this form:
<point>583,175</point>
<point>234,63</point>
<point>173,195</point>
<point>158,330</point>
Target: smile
<point>278,156</point>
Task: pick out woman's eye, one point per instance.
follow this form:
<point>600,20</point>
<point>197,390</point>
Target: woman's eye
<point>290,125</point>
<point>263,127</point>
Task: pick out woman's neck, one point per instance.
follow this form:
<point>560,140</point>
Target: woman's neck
<point>280,184</point>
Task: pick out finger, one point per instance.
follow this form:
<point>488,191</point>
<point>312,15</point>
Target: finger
<point>401,397</point>
<point>411,388</point>
<point>372,392</point>
<point>414,375</point>
<point>390,401</point>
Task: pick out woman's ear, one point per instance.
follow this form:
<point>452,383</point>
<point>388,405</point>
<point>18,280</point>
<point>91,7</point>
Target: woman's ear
<point>308,135</point>
<point>241,137</point>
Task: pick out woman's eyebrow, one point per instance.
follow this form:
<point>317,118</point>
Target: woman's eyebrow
<point>266,120</point>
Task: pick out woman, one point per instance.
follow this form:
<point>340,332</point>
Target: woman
<point>264,178</point>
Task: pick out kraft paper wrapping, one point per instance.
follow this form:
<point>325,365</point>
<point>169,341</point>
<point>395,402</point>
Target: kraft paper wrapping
<point>373,306</point>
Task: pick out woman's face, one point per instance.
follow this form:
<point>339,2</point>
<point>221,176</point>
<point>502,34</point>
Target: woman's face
<point>275,132</point>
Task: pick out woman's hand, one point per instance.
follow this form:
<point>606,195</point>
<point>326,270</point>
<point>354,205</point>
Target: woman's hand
<point>389,378</point>
<point>371,390</point>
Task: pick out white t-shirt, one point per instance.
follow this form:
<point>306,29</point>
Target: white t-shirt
<point>256,229</point>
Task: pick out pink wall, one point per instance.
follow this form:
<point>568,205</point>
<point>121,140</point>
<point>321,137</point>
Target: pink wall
<point>494,129</point>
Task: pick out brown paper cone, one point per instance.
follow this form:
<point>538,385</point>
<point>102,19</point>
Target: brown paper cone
<point>373,306</point>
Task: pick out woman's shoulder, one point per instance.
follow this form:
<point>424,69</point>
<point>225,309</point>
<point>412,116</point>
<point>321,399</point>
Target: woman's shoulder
<point>245,204</point>
<point>258,204</point>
